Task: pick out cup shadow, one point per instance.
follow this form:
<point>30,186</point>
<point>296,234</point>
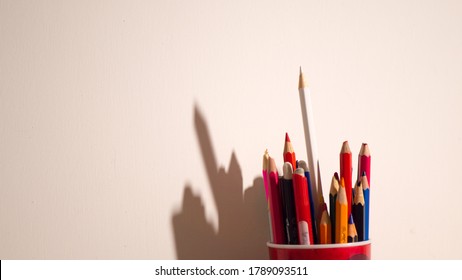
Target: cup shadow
<point>243,227</point>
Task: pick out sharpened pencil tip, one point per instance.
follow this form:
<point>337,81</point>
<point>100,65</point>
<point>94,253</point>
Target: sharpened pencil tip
<point>301,80</point>
<point>287,137</point>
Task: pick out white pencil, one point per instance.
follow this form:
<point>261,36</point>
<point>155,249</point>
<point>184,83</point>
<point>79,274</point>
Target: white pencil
<point>310,140</point>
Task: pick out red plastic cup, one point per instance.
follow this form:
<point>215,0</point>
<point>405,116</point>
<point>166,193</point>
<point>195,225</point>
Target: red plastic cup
<point>346,251</point>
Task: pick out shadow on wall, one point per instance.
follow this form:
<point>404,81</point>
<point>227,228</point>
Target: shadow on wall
<point>243,219</point>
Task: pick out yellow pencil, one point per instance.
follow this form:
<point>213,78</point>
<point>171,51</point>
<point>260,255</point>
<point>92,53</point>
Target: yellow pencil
<point>341,215</point>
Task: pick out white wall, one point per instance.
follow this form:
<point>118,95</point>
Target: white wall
<point>135,129</point>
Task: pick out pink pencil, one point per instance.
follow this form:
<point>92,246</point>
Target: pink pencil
<point>275,204</point>
<point>364,163</point>
<point>265,171</point>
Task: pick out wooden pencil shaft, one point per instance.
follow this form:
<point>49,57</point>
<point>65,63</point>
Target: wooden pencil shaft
<point>310,140</point>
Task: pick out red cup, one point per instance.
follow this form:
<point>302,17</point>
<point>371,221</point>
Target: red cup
<point>346,251</point>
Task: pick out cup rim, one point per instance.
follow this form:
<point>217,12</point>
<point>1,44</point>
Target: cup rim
<point>318,246</point>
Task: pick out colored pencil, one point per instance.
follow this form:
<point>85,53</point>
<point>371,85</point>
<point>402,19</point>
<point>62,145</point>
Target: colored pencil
<point>265,171</point>
<point>346,170</point>
<point>366,191</point>
<point>302,208</point>
<point>310,139</point>
<point>334,187</point>
<point>266,183</point>
<point>352,234</point>
<point>364,163</point>
<point>341,215</point>
<point>322,206</point>
<point>304,165</point>
<point>288,204</point>
<point>275,204</point>
<point>289,154</point>
<point>325,230</point>
<point>358,211</point>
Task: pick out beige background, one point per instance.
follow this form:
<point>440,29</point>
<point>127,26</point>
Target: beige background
<point>135,129</point>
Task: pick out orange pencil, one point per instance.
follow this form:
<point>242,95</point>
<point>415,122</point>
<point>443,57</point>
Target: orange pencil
<point>341,215</point>
<point>289,154</point>
<point>325,230</point>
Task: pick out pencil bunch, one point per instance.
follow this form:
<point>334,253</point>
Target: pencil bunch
<point>293,217</point>
<point>297,210</point>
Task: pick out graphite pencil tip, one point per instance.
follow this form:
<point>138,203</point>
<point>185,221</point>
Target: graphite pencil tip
<point>364,182</point>
<point>359,195</point>
<point>334,185</point>
<point>301,80</point>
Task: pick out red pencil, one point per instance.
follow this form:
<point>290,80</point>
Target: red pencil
<point>275,204</point>
<point>364,163</point>
<point>289,154</point>
<point>346,170</point>
<point>302,208</point>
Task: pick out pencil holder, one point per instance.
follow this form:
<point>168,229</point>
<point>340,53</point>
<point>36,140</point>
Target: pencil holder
<point>346,251</point>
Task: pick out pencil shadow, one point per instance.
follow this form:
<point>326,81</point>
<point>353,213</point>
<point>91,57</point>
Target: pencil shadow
<point>242,217</point>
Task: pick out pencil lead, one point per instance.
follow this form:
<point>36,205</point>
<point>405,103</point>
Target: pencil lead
<point>287,137</point>
<point>301,80</point>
